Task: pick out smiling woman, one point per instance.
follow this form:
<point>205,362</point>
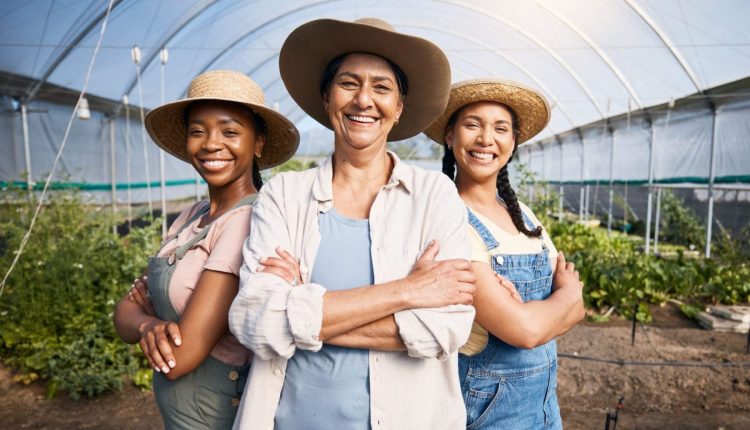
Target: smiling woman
<point>354,302</point>
<point>178,312</point>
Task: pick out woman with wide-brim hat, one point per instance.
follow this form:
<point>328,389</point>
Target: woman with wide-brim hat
<point>508,368</point>
<point>178,312</point>
<point>353,321</point>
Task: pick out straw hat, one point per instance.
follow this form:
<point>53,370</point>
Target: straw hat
<point>529,105</point>
<point>309,48</point>
<point>167,128</point>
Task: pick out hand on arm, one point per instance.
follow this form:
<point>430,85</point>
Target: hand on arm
<point>527,325</point>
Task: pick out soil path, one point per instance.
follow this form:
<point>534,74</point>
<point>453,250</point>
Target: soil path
<point>656,397</point>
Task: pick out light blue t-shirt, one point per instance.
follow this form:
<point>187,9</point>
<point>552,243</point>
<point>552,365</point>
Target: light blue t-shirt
<point>329,389</point>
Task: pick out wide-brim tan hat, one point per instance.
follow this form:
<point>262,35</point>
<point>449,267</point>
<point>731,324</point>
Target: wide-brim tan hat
<point>166,124</point>
<point>311,46</point>
<point>529,105</point>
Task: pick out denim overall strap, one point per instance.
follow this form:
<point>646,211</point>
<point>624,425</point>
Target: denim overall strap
<point>493,246</point>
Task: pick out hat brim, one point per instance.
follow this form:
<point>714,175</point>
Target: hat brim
<point>167,129</point>
<point>309,48</point>
<point>530,106</point>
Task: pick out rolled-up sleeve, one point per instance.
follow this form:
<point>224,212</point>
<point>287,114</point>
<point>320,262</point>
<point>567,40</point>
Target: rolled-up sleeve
<point>439,332</point>
<point>269,316</point>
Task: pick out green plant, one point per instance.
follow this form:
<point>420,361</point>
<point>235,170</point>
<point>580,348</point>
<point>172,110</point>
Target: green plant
<point>679,224</point>
<point>56,311</point>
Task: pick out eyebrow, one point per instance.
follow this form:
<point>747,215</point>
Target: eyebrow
<point>358,77</point>
<point>477,118</point>
<point>223,121</point>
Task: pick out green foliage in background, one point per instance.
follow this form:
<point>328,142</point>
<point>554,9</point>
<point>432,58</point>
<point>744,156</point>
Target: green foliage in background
<point>620,278</point>
<point>56,310</point>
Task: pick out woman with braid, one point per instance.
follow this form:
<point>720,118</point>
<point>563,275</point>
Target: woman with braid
<point>526,293</point>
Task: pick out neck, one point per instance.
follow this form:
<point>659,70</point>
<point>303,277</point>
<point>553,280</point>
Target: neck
<point>361,169</point>
<point>477,194</point>
<point>222,199</point>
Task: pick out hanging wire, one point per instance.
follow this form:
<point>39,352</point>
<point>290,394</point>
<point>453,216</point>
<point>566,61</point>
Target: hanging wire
<point>135,54</point>
<point>73,116</point>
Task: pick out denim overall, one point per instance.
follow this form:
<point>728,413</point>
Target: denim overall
<point>207,397</point>
<point>505,387</point>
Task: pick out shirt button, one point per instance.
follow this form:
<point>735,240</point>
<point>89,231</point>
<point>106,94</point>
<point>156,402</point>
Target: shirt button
<point>235,402</point>
<point>277,372</point>
<point>233,375</point>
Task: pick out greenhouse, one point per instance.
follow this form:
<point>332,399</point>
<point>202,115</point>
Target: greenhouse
<point>645,161</point>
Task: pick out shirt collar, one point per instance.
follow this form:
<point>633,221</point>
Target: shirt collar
<point>323,191</point>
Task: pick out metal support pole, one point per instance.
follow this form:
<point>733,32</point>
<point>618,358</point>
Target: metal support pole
<point>26,147</point>
<point>611,184</point>
<point>658,220</point>
<point>581,213</point>
<point>127,161</point>
<point>164,56</point>
<point>562,190</point>
<point>711,174</point>
<point>649,199</point>
<point>113,168</point>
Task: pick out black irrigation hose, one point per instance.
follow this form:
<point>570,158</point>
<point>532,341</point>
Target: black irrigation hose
<point>622,362</point>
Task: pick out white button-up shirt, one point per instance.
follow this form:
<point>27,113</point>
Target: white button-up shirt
<point>413,389</point>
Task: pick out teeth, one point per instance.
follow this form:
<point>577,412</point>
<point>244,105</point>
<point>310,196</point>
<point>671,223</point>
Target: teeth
<point>482,155</point>
<point>361,118</point>
<point>215,163</point>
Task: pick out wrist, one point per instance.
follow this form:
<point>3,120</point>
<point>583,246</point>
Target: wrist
<point>145,324</point>
<point>402,289</point>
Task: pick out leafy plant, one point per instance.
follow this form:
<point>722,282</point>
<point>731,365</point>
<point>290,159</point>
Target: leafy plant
<point>56,311</point>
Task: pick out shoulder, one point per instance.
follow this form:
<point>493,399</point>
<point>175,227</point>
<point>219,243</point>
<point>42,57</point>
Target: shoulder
<point>186,215</point>
<point>287,185</point>
<point>529,213</point>
<point>431,181</point>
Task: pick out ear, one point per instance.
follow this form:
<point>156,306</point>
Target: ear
<point>400,109</point>
<point>260,142</point>
<point>449,137</point>
<point>325,102</point>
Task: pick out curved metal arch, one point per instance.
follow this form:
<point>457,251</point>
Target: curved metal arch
<point>666,41</point>
<point>164,41</point>
<point>537,42</point>
<point>505,57</point>
<point>260,27</point>
<point>607,60</point>
<point>74,43</point>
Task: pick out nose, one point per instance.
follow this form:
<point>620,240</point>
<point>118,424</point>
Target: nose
<point>212,142</point>
<point>363,99</point>
<point>486,137</point>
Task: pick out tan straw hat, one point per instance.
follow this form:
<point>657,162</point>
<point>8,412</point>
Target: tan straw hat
<point>529,105</point>
<point>167,128</point>
<point>311,46</point>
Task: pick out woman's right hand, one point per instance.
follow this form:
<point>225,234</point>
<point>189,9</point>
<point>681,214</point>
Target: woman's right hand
<point>155,344</point>
<point>434,284</point>
<point>566,277</point>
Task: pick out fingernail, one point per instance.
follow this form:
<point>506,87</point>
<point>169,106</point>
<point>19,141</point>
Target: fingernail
<point>178,341</point>
<point>432,242</point>
<point>171,363</point>
<point>132,285</point>
<point>145,277</point>
<point>165,369</point>
<point>135,280</point>
<point>157,369</point>
<point>259,268</point>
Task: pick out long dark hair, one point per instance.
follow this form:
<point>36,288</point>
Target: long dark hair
<point>504,189</point>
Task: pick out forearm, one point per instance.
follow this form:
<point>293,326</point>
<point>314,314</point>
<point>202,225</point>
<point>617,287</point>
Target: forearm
<point>380,335</point>
<point>129,320</point>
<point>348,310</point>
<point>539,321</point>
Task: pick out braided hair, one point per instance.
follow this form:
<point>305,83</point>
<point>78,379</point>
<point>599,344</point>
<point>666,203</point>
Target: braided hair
<point>504,189</point>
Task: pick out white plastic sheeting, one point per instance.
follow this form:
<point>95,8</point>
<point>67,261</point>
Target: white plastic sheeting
<point>592,59</point>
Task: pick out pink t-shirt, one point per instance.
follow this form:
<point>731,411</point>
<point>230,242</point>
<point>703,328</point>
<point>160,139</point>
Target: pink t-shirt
<point>221,251</point>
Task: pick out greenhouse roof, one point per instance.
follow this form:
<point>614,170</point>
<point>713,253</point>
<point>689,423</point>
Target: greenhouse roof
<point>592,59</point>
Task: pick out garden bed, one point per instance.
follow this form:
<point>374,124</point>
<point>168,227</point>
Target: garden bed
<point>655,397</point>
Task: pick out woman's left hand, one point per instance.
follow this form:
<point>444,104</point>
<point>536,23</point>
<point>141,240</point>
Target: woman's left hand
<point>284,266</point>
<point>139,295</point>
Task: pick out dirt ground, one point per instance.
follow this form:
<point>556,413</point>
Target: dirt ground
<point>716,396</point>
